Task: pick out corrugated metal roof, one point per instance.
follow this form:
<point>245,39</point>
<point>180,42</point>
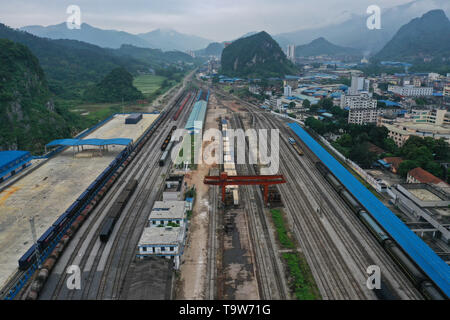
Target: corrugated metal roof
<point>7,157</point>
<point>90,142</point>
<point>418,250</point>
<point>197,115</point>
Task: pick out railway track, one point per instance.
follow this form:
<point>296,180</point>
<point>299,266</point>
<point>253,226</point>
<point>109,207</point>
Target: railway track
<point>354,248</point>
<point>90,254</point>
<point>211,290</point>
<point>270,274</point>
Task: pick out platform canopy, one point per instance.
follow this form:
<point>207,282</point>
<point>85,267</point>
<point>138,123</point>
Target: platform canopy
<point>89,142</point>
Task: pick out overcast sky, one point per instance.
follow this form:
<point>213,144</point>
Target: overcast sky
<point>217,20</point>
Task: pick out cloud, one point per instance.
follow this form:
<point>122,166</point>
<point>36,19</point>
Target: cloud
<point>213,19</point>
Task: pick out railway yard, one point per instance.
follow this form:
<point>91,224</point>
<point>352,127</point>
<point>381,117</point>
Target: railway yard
<point>227,250</point>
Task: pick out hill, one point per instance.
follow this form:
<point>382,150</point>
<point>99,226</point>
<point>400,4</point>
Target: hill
<point>153,57</point>
<point>87,33</point>
<point>28,116</point>
<point>167,39</point>
<point>321,46</point>
<point>352,31</point>
<point>117,85</point>
<point>213,49</point>
<point>69,65</point>
<point>256,56</point>
<point>428,35</point>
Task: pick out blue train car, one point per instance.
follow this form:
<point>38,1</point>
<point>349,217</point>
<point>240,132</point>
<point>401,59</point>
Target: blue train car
<point>61,221</point>
<point>46,238</point>
<point>27,259</point>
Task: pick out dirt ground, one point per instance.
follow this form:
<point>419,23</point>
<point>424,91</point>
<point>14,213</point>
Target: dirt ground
<point>194,260</point>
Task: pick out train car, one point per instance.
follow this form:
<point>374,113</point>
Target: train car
<point>291,140</point>
<point>416,275</point>
<point>27,259</point>
<point>107,229</point>
<point>46,238</point>
<point>166,155</point>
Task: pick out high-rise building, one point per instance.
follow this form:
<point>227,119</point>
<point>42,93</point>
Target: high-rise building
<point>290,53</point>
<point>287,91</point>
<point>359,84</point>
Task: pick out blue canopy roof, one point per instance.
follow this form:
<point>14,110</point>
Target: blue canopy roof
<point>7,157</point>
<point>416,248</point>
<point>90,142</point>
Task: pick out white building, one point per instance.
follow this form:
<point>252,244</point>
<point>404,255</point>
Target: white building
<point>253,88</point>
<point>359,84</point>
<point>287,91</point>
<point>411,91</point>
<point>168,212</point>
<point>174,188</point>
<point>165,242</point>
<point>290,53</point>
<point>363,115</point>
<point>359,101</point>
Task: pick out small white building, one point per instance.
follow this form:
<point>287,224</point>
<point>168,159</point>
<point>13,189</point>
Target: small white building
<point>174,188</point>
<point>168,212</point>
<point>165,242</point>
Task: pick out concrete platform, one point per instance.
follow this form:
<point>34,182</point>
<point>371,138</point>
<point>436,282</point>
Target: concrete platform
<point>50,189</point>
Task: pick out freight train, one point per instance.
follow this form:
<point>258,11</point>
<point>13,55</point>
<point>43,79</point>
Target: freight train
<point>167,140</point>
<point>166,154</point>
<point>88,199</point>
<point>295,146</point>
<point>417,276</point>
<point>50,234</point>
<point>116,210</point>
<point>180,109</point>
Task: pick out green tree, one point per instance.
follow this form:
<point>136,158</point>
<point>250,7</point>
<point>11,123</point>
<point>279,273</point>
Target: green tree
<point>407,166</point>
<point>306,103</point>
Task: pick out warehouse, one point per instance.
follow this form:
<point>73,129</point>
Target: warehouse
<point>196,119</point>
<point>165,242</point>
<point>166,213</point>
<point>12,162</point>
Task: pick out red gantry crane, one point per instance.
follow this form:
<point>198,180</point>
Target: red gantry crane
<point>224,180</point>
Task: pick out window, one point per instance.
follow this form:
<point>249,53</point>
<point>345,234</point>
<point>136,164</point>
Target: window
<point>163,249</point>
<point>171,248</point>
<point>154,222</point>
<point>144,249</point>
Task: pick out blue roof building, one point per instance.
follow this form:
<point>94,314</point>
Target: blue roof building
<point>12,162</point>
<point>197,117</point>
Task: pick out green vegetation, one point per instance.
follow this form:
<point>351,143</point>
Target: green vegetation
<point>302,282</point>
<point>283,237</point>
<point>116,86</point>
<point>422,37</point>
<point>256,56</point>
<point>148,84</point>
<point>29,118</point>
<point>322,46</point>
<point>354,144</point>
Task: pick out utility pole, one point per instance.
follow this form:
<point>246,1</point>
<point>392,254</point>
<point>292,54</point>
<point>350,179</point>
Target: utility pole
<point>36,248</point>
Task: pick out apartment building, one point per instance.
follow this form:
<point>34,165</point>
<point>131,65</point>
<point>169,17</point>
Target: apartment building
<point>358,101</point>
<point>411,91</point>
<point>436,117</point>
<point>363,115</point>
